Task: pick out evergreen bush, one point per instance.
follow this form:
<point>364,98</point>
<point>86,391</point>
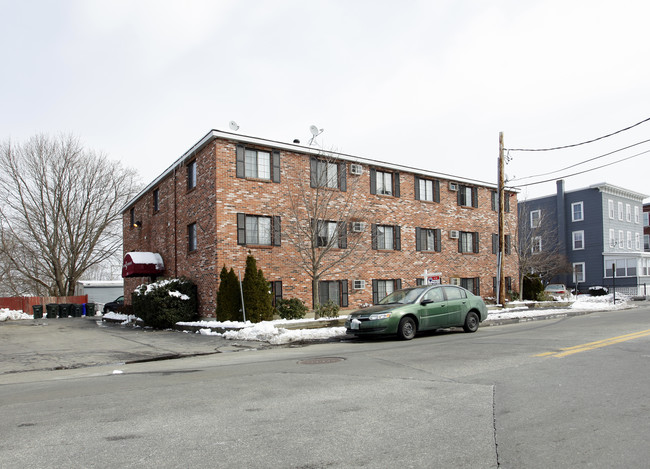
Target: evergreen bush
<point>533,288</point>
<point>228,297</point>
<point>327,310</point>
<point>292,308</point>
<point>164,303</point>
<point>258,300</point>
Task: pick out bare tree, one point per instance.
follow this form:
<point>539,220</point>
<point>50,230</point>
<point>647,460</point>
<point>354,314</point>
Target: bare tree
<point>59,212</point>
<point>539,251</point>
<point>322,212</point>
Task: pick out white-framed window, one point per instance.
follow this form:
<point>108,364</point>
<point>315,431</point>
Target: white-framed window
<point>577,212</point>
<point>258,230</point>
<point>621,239</point>
<point>623,267</point>
<point>637,241</point>
<point>384,288</point>
<point>537,244</point>
<point>610,205</point>
<point>535,218</point>
<point>637,214</point>
<point>628,213</point>
<point>385,237</point>
<point>191,237</point>
<point>646,218</point>
<point>331,233</point>
<point>467,196</point>
<point>426,189</point>
<point>578,240</point>
<point>427,239</point>
<point>578,272</point>
<point>257,164</point>
<point>645,266</point>
<point>646,242</point>
<point>468,242</point>
<point>327,174</point>
<point>384,183</point>
<point>612,238</point>
<point>629,240</point>
<point>620,211</point>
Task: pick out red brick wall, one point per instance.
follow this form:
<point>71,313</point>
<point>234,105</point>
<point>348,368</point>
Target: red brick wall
<point>220,195</point>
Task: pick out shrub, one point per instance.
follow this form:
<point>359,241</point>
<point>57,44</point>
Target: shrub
<point>598,291</point>
<point>257,293</point>
<point>292,308</point>
<point>164,303</point>
<point>228,297</point>
<point>533,288</point>
<point>327,310</point>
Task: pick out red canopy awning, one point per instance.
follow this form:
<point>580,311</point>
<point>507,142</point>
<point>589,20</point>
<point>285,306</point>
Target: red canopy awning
<point>142,264</point>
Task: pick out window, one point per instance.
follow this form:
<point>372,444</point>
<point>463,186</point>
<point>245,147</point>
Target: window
<point>628,213</point>
<point>612,238</point>
<point>637,215</point>
<point>383,182</point>
<point>646,242</point>
<point>191,237</point>
<point>258,164</point>
<point>620,211</point>
<point>610,204</point>
<point>467,196</point>
<point>471,284</point>
<point>156,200</point>
<point>495,244</point>
<point>629,240</point>
<point>577,211</point>
<point>426,189</point>
<point>191,175</point>
<point>645,267</point>
<point>468,242</point>
<point>578,240</point>
<point>537,245</point>
<point>386,237</point>
<point>258,230</point>
<point>494,199</point>
<point>331,234</point>
<point>335,291</point>
<point>623,267</point>
<point>535,218</point>
<point>646,218</point>
<point>383,288</point>
<point>621,239</point>
<point>578,272</point>
<point>637,241</point>
<point>427,240</point>
<point>329,174</point>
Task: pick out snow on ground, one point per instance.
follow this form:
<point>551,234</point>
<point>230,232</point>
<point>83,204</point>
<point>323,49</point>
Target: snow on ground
<point>9,315</point>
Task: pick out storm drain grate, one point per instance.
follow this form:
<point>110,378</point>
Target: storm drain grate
<point>321,360</point>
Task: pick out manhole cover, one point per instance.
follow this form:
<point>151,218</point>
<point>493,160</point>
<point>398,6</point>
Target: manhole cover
<point>321,360</point>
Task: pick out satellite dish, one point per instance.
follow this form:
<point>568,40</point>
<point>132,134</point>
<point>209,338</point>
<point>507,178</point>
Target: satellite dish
<point>233,125</point>
<point>314,130</point>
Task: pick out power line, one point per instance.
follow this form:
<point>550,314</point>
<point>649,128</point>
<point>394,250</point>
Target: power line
<point>580,163</point>
<point>581,143</point>
<point>585,171</point>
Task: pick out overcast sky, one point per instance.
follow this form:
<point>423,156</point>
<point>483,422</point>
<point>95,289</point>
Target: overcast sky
<point>428,84</point>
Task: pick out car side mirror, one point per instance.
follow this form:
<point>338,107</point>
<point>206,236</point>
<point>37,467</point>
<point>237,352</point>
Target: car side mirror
<point>426,302</point>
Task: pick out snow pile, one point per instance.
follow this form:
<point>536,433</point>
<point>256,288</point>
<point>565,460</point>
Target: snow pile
<point>125,318</point>
<point>581,303</point>
<point>10,315</point>
<point>267,332</point>
<point>178,294</point>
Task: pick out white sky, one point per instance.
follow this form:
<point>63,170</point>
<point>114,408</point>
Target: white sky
<point>428,84</point>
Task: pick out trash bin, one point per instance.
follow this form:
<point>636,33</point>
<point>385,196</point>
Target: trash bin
<point>65,310</point>
<point>77,310</point>
<point>38,311</point>
<point>52,310</point>
<point>90,309</point>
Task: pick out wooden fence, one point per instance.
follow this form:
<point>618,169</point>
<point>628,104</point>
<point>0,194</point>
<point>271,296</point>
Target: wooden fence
<point>25,303</point>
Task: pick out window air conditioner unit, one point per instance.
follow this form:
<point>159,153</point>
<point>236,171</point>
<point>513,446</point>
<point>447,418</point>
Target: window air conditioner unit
<point>454,234</point>
<point>358,226</point>
<point>356,169</point>
<point>359,284</point>
<point>455,281</point>
<point>453,186</point>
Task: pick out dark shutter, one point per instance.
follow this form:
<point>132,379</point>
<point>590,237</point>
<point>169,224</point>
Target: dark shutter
<point>375,292</point>
<point>438,241</point>
<point>417,189</point>
<point>493,202</point>
<point>275,164</point>
<point>343,235</point>
<point>495,244</point>
<point>396,184</point>
<point>323,292</point>
<point>418,238</point>
<point>313,164</point>
<point>477,284</point>
<point>436,191</point>
<point>474,196</point>
<point>343,185</point>
<point>475,239</point>
<point>344,293</point>
<point>240,172</point>
<point>241,228</point>
<point>277,291</point>
<point>373,235</point>
<point>460,195</point>
<point>506,201</point>
<point>397,283</point>
<point>373,181</point>
<point>277,232</point>
<point>397,237</point>
<point>507,243</point>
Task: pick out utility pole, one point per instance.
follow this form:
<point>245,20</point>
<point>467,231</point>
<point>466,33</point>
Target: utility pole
<point>501,294</point>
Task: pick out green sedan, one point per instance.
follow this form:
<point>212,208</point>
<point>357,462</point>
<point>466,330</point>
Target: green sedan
<point>405,312</point>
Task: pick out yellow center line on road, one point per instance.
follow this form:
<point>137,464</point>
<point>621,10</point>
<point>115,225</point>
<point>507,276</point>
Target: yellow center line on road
<point>594,345</point>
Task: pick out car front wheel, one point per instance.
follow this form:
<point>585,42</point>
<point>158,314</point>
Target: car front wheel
<point>471,322</point>
<point>406,329</point>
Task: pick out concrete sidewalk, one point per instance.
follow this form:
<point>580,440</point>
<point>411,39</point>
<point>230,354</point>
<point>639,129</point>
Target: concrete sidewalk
<point>56,344</point>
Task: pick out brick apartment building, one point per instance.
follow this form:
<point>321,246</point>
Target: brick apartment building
<point>230,195</point>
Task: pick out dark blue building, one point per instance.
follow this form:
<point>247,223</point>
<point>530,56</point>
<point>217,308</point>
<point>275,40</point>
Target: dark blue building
<point>600,231</point>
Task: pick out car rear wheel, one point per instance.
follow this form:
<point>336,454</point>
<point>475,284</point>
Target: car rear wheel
<point>406,329</point>
<point>471,322</point>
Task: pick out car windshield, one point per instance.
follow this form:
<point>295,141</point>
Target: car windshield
<point>404,297</point>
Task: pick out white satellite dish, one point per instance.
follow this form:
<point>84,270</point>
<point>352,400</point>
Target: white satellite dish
<point>314,130</point>
<point>233,125</point>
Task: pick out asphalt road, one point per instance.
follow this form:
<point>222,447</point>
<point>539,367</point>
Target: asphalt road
<point>570,392</point>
